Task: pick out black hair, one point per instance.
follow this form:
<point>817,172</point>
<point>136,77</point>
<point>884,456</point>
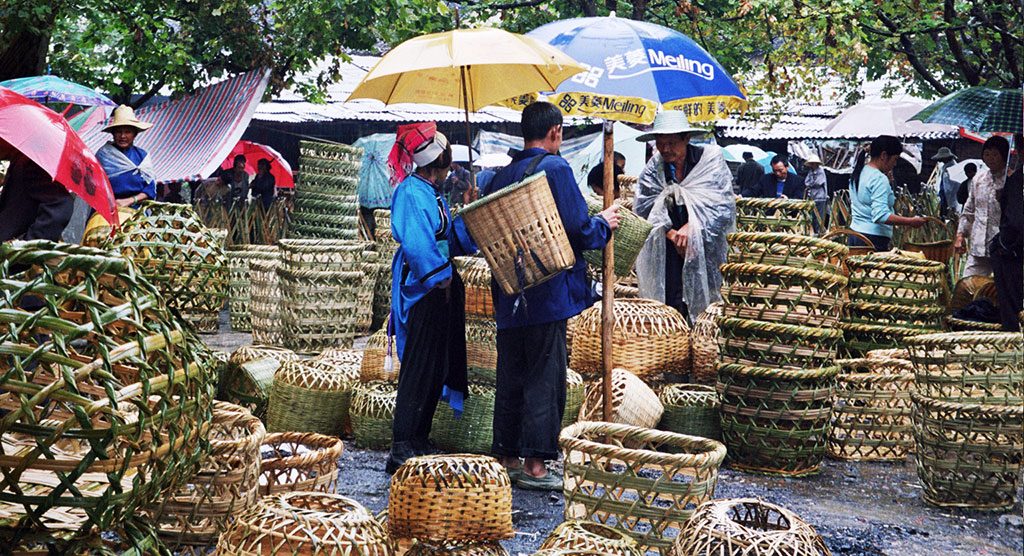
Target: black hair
<point>881,144</point>
<point>779,158</point>
<point>538,118</point>
<point>263,162</point>
<point>999,144</point>
<point>748,155</point>
<point>596,175</point>
<point>443,160</point>
<point>239,157</point>
<point>619,156</point>
<point>970,169</point>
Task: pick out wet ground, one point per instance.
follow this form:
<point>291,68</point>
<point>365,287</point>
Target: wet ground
<point>859,508</point>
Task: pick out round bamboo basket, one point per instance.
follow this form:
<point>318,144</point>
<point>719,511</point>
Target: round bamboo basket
<point>968,454</point>
<point>782,294</point>
<point>299,461</point>
<point>473,431</point>
<point>895,279</point>
<point>923,318</point>
<point>590,536</point>
<point>704,345</point>
<point>775,421</point>
<point>265,302</point>
<point>575,392</point>
<point>312,396</point>
<point>372,410</point>
<point>476,276</point>
<point>239,283</point>
<point>871,415</point>
<point>451,498</point>
<point>649,338</point>
<point>302,523</point>
<point>250,376</point>
<point>320,309</point>
<point>227,483</point>
<point>629,238</point>
<point>747,527</point>
<point>105,395</point>
<point>481,344</point>
<point>620,473</point>
<point>969,367</point>
<point>633,402</point>
<point>769,344</point>
<point>457,549</point>
<point>756,214</point>
<point>967,289</point>
<point>374,357</point>
<point>691,409</point>
<point>520,233</point>
<point>787,250</point>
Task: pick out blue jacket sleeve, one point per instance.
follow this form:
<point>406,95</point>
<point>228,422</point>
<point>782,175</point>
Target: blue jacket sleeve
<point>584,231</point>
<point>459,240</point>
<point>413,221</point>
<point>880,211</point>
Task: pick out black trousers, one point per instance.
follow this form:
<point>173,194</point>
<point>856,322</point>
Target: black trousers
<point>435,354</point>
<point>881,243</point>
<point>674,279</point>
<point>34,211</point>
<point>1008,273</point>
<point>530,396</point>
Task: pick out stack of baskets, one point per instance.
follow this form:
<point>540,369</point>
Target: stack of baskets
<point>782,299</point>
<point>969,417</point>
<point>871,419</point>
<point>756,214</point>
<point>326,206</point>
<point>892,297</point>
<point>265,301</point>
<point>240,281</point>
<point>386,247</point>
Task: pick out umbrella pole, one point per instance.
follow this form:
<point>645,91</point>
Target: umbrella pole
<point>608,275</point>
<point>469,136</point>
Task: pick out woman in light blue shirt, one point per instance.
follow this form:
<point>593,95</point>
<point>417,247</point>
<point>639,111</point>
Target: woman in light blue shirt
<point>871,196</point>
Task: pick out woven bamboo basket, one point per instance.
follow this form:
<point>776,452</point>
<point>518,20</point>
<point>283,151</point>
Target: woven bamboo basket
<point>481,343</point>
<point>953,323</point>
<point>226,483</point>
<point>590,536</point>
<point>923,318</point>
<point>451,498</point>
<point>372,410</point>
<point>575,392</point>
<point>769,344</point>
<point>897,279</point>
<point>171,247</point>
<point>322,254</point>
<point>871,417</point>
<point>968,455</point>
<point>859,339</point>
<point>473,431</point>
<point>239,283</point>
<point>306,523</point>
<point>747,527</point>
<point>319,308</point>
<point>265,302</point>
<point>299,461</point>
<point>457,549</point>
<point>633,402</point>
<point>967,289</point>
<point>367,287</point>
<point>620,476</point>
<point>250,375</point>
<point>374,357</point>
<point>704,345</point>
<point>381,309</point>
<point>630,237</point>
<point>755,214</point>
<point>691,409</point>
<point>969,367</point>
<point>782,294</point>
<point>312,396</point>
<point>788,250</point>
<point>476,276</point>
<point>342,356</point>
<point>520,233</point>
<point>776,421</point>
<point>838,235</point>
<point>649,338</point>
<point>132,537</point>
<point>934,240</point>
<point>97,229</point>
<point>109,409</point>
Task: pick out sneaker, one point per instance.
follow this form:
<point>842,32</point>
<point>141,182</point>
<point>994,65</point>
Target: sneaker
<point>549,482</point>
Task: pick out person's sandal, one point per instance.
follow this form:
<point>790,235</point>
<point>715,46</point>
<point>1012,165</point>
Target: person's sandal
<point>549,481</point>
<point>514,473</point>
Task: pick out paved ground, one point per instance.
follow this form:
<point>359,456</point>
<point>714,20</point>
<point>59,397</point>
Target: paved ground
<point>860,509</point>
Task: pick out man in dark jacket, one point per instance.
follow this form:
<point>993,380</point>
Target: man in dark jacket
<point>779,184</point>
<point>32,205</point>
<point>749,173</point>
<point>1007,250</point>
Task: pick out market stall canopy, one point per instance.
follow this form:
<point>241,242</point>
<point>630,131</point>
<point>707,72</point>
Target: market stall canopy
<point>50,88</point>
<point>253,152</point>
<point>872,118</point>
<point>978,109</point>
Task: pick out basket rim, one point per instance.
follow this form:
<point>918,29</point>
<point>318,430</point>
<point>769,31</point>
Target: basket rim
<point>939,339</point>
<point>710,453</point>
<point>794,329</point>
<point>1006,410</point>
<point>790,271</point>
<point>503,192</point>
<point>739,369</point>
<point>789,239</point>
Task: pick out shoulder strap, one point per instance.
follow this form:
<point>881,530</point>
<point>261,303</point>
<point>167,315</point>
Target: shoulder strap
<point>532,166</point>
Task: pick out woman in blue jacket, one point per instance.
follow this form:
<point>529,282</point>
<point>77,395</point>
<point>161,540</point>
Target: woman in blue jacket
<point>872,198</point>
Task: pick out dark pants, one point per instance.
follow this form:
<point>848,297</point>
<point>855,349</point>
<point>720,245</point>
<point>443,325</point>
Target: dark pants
<point>530,396</point>
<point>881,243</point>
<point>1008,273</point>
<point>674,279</point>
<point>435,353</point>
<point>34,211</point>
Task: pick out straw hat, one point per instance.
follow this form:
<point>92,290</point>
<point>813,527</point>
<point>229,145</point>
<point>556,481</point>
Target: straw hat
<point>124,116</point>
<point>944,154</point>
<point>813,159</point>
<point>669,122</point>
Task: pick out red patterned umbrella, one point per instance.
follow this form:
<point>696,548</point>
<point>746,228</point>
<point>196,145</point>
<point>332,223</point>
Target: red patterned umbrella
<point>253,152</point>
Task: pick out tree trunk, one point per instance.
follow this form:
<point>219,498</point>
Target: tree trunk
<point>25,54</point>
<point>589,8</point>
<point>640,10</point>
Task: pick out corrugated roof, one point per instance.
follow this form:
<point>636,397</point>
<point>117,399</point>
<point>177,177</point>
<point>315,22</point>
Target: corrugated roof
<point>794,127</point>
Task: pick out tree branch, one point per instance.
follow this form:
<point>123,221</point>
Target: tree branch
<point>150,93</point>
<point>969,72</point>
<point>907,49</point>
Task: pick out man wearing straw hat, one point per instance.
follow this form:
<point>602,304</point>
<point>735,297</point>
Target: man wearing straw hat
<point>816,189</point>
<point>128,167</point>
<point>947,187</point>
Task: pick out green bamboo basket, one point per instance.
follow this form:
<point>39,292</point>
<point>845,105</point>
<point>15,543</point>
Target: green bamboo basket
<point>782,294</point>
<point>306,230</point>
<point>473,431</point>
<point>371,268</point>
<point>691,409</point>
<point>969,367</point>
<point>250,374</point>
<point>630,237</point>
<point>323,255</point>
<point>871,416</point>
<point>755,214</point>
<point>775,421</point>
<point>788,250</point>
<point>768,344</point>
<point>372,411</point>
<point>239,281</point>
<point>575,392</point>
<point>859,339</point>
<point>265,302</point>
<point>319,308</point>
<point>896,279</point>
<point>312,396</point>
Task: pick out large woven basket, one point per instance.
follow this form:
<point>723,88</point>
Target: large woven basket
<point>520,233</point>
<point>776,421</point>
<point>476,276</point>
<point>968,455</point>
<point>756,214</point>
<point>630,237</point>
<point>473,431</point>
<point>306,523</point>
<point>226,483</point>
<point>105,396</point>
<point>239,282</point>
<point>790,295</point>
<point>969,367</point>
<point>592,537</point>
<point>691,409</point>
<point>374,357</point>
<point>704,345</point>
<point>897,279</point>
<point>747,527</point>
<point>312,396</point>
<point>481,344</point>
<point>575,392</point>
<point>633,402</point>
<point>769,344</point>
<point>871,417</point>
<point>299,461</point>
<point>265,302</point>
<point>492,548</point>
<point>649,338</point>
<point>322,254</point>
<point>788,250</point>
<point>451,498</point>
<point>372,411</point>
<point>183,259</point>
<point>320,309</point>
<point>618,475</point>
<point>250,375</point>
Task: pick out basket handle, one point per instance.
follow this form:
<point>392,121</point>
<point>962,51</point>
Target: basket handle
<point>837,232</point>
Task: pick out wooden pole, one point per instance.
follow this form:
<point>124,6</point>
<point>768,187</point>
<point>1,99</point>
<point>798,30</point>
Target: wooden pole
<point>608,275</point>
<point>469,135</point>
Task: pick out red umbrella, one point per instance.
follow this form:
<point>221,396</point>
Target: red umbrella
<point>253,152</point>
<point>45,137</point>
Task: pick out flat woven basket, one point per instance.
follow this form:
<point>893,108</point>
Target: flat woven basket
<point>372,411</point>
<point>265,302</point>
<point>301,523</point>
<point>747,527</point>
<point>299,461</point>
<point>704,345</point>
<point>755,214</point>
<point>592,537</point>
<point>788,250</point>
<point>630,237</point>
<point>493,548</point>
<point>897,279</point>
<point>481,343</point>
<point>473,431</point>
<point>633,402</point>
<point>649,338</point>
<point>520,233</point>
<point>969,367</point>
<point>776,421</point>
<point>691,409</point>
<point>476,276</point>
<point>968,455</point>
<point>789,295</point>
<point>575,392</point>
<point>312,396</point>
<point>374,356</point>
<point>871,416</point>
<point>769,344</point>
<point>460,498</point>
<point>620,476</point>
<point>227,483</point>
<point>239,282</point>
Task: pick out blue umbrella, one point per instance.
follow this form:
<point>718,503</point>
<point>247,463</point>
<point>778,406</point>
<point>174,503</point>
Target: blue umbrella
<point>50,88</point>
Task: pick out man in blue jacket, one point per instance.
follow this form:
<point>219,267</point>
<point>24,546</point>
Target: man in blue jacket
<point>780,184</point>
<point>530,396</point>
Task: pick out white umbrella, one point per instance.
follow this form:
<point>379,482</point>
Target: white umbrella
<point>460,153</point>
<point>492,160</point>
<point>956,171</point>
<point>734,153</point>
<point>872,118</point>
